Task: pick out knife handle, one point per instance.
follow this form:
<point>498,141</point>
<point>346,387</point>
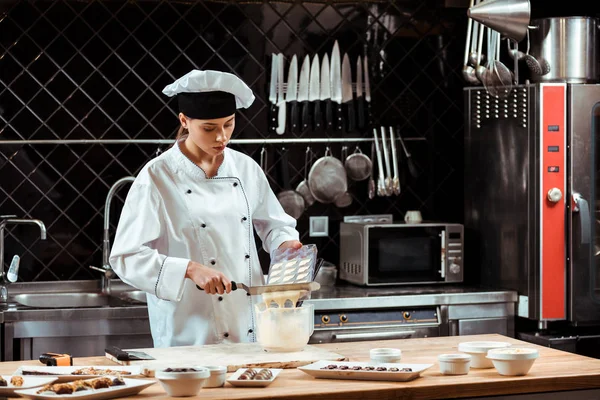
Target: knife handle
<point>328,114</point>
<point>305,115</point>
<point>294,116</point>
<point>338,116</point>
<point>273,115</point>
<point>361,112</point>
<point>351,122</point>
<point>369,114</point>
<point>233,286</point>
<point>318,115</point>
<point>281,117</point>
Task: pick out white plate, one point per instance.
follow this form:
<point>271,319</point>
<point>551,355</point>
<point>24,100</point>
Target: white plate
<point>131,387</point>
<point>28,382</point>
<point>315,370</point>
<point>251,382</point>
<point>65,374</point>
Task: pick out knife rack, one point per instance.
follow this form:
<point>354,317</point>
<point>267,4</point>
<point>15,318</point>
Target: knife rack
<point>354,87</point>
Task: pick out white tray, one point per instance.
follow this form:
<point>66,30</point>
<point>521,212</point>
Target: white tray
<point>131,387</point>
<point>315,370</point>
<point>251,382</point>
<point>65,374</point>
<point>28,382</point>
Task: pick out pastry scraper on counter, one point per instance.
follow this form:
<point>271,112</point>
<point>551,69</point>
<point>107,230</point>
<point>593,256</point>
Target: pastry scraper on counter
<point>124,357</point>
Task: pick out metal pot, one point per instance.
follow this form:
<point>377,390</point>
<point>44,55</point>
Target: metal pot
<point>570,46</point>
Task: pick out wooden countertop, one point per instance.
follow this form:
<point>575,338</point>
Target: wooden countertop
<point>554,371</point>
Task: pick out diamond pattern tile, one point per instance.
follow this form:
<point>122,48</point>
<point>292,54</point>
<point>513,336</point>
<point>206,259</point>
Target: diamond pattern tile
<point>95,69</point>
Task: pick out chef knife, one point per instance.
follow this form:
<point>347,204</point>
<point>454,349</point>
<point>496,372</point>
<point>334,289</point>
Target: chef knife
<point>280,100</point>
<point>347,96</point>
<point>360,101</point>
<point>326,91</point>
<point>336,85</point>
<point>273,90</point>
<point>314,91</point>
<point>256,290</point>
<point>368,91</point>
<point>303,91</point>
<point>292,93</point>
<point>126,355</point>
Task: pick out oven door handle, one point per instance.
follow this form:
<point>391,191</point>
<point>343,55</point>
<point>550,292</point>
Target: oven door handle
<point>581,205</point>
<point>374,335</point>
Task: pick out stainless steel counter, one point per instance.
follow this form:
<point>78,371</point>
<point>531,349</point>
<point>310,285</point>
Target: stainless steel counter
<point>346,296</point>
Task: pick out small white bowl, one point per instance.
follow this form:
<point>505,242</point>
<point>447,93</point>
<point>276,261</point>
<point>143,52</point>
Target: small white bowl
<point>384,355</point>
<point>217,377</point>
<point>454,364</point>
<point>514,361</point>
<point>478,352</point>
<point>182,384</point>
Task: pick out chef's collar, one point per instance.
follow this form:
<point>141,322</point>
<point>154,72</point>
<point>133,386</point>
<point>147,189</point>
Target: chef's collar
<point>209,94</point>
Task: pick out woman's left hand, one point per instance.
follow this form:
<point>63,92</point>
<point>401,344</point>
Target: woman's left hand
<point>290,244</point>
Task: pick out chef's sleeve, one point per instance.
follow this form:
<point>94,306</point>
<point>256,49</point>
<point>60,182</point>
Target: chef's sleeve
<point>271,222</point>
<point>134,256</point>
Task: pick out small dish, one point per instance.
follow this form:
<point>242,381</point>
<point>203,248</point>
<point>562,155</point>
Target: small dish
<point>28,383</point>
<point>385,355</point>
<point>478,352</point>
<point>513,361</point>
<point>217,377</point>
<point>182,382</point>
<point>236,381</point>
<point>454,364</point>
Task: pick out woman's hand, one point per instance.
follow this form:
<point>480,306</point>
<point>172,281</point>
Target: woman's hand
<point>290,244</point>
<point>210,280</point>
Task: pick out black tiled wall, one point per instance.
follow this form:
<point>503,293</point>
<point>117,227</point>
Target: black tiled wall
<point>95,70</point>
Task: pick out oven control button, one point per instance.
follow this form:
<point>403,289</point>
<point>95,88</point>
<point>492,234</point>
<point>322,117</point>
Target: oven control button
<point>325,319</point>
<point>554,195</point>
<point>454,268</point>
<point>343,318</point>
<point>406,315</point>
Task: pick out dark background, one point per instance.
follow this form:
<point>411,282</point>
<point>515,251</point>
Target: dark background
<point>95,70</point>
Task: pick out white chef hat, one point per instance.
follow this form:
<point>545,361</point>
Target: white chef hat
<point>210,94</point>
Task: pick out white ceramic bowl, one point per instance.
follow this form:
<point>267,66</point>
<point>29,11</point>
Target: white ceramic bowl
<point>385,355</point>
<point>284,329</point>
<point>454,364</point>
<point>478,352</point>
<point>513,361</point>
<point>182,384</point>
<point>217,377</point>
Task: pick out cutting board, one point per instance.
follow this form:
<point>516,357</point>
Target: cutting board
<point>233,355</point>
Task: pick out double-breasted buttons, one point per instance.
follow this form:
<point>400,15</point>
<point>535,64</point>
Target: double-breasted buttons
<point>226,334</point>
<point>189,191</point>
<point>247,256</point>
<point>235,184</point>
<point>220,298</point>
<point>250,331</point>
<point>244,219</point>
<point>203,225</point>
<point>212,262</point>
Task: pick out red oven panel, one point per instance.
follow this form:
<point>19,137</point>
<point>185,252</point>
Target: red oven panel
<point>553,198</point>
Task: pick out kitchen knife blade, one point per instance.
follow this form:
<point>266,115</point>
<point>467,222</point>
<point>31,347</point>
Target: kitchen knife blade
<point>256,290</point>
<point>315,91</point>
<point>347,97</point>
<point>360,100</point>
<point>336,85</point>
<point>273,91</point>
<point>280,100</point>
<point>292,93</point>
<point>368,91</point>
<point>326,91</point>
<point>303,91</point>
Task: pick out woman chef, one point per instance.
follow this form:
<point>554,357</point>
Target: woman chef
<point>188,220</point>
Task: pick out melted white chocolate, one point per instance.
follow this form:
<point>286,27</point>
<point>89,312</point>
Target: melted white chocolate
<point>280,297</point>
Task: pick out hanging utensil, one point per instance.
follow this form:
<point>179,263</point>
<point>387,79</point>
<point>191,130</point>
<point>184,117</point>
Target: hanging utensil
<point>273,90</point>
<point>358,165</point>
<point>473,55</point>
<point>281,103</point>
<point>327,178</point>
<point>380,170</point>
<point>291,201</point>
<point>532,63</point>
<point>467,70</point>
<point>292,94</point>
<point>388,169</point>
<point>371,185</point>
<point>412,168</point>
<point>396,179</point>
<point>303,187</point>
<point>344,200</point>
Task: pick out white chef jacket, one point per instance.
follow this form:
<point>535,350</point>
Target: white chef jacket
<point>173,214</point>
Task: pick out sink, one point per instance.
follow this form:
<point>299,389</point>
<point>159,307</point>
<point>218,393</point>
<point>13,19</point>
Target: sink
<point>137,295</point>
<point>66,300</point>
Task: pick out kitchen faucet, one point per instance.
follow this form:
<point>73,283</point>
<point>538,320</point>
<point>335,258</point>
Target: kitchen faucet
<point>106,269</point>
<point>11,277</point>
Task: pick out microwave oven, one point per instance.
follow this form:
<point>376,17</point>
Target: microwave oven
<point>377,254</point>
